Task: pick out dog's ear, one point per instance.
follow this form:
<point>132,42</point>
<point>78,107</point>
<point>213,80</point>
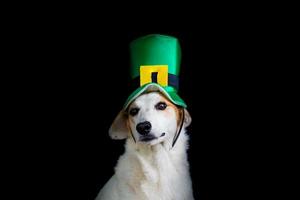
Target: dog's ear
<point>119,129</point>
<point>187,118</point>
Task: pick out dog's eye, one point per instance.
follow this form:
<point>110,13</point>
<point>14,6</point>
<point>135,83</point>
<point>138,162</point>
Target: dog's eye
<point>161,106</point>
<point>133,111</point>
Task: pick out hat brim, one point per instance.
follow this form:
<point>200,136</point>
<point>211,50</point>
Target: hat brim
<point>168,92</point>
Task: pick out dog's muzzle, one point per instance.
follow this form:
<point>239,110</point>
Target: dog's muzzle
<point>144,128</point>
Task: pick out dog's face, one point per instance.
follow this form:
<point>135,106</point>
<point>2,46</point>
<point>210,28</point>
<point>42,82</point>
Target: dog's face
<point>150,118</point>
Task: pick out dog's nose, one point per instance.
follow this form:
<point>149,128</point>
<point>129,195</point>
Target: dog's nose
<point>143,128</point>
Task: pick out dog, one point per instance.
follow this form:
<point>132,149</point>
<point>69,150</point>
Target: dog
<point>154,165</point>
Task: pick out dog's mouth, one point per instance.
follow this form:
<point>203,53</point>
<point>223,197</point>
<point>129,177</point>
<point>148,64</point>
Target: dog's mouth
<point>150,137</point>
<point>147,138</point>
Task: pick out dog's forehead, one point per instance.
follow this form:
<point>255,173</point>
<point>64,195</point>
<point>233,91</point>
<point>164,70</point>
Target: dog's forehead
<point>149,99</point>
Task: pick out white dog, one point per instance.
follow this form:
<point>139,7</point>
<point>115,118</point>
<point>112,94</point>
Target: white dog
<point>152,167</point>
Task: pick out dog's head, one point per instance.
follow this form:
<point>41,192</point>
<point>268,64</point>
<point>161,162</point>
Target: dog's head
<point>151,119</point>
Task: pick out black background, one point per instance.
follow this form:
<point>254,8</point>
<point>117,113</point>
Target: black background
<point>82,82</point>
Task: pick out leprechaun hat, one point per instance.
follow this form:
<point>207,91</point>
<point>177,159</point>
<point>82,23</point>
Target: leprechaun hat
<point>155,66</point>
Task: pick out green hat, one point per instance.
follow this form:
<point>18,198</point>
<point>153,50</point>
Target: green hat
<point>155,65</point>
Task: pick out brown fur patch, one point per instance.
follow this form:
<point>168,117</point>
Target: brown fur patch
<point>173,106</point>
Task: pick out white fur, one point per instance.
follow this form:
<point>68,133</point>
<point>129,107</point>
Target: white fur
<point>151,170</point>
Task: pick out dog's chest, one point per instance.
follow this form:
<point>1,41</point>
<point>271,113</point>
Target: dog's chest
<point>157,176</point>
<point>162,185</point>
